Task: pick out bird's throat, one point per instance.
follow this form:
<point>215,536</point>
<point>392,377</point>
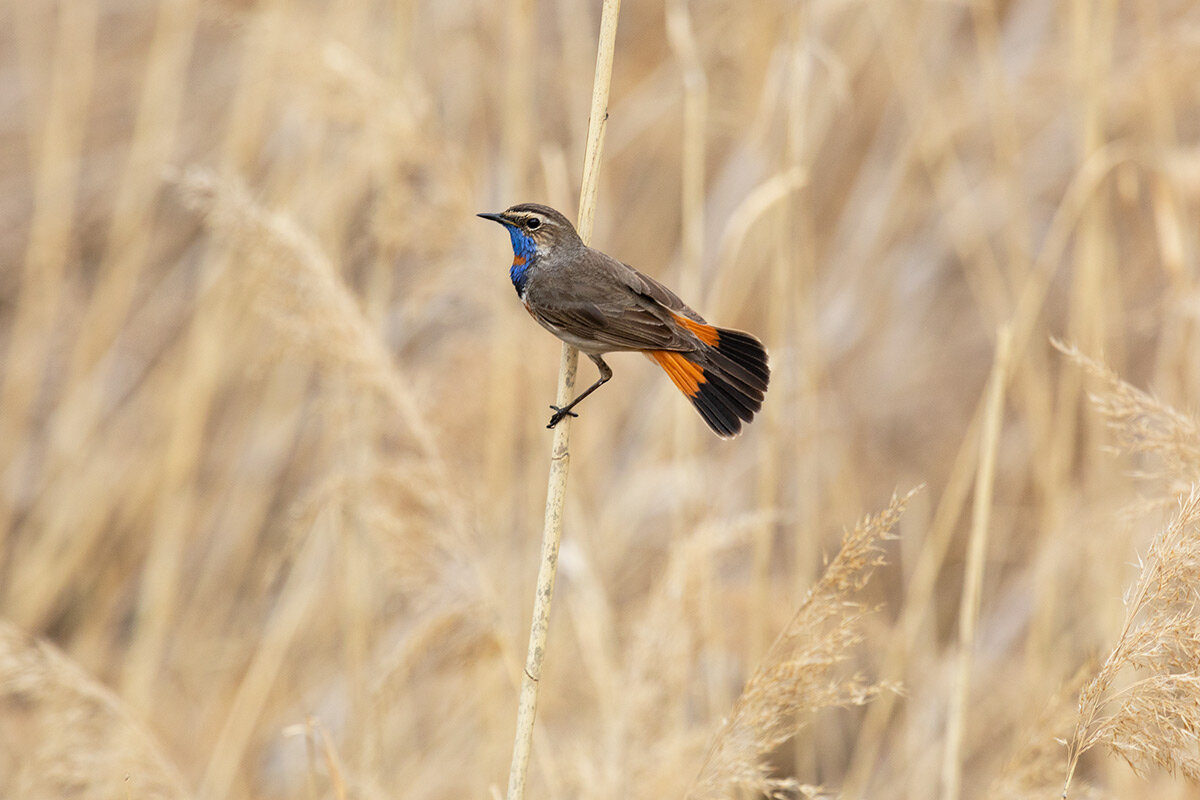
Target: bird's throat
<point>524,251</point>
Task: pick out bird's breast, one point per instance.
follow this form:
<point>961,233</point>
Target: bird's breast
<point>519,273</point>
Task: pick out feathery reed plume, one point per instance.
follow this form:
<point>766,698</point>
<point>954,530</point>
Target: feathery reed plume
<point>1144,424</point>
<point>307,300</point>
<point>1152,721</point>
<point>64,735</point>
<point>797,673</point>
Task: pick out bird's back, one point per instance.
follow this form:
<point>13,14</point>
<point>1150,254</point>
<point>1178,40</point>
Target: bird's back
<point>593,296</point>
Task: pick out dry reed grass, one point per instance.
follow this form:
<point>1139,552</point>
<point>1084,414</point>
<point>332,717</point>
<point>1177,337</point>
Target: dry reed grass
<point>798,673</point>
<point>66,736</point>
<point>1152,719</point>
<point>271,443</point>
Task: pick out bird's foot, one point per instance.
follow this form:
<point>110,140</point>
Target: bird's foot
<point>559,415</point>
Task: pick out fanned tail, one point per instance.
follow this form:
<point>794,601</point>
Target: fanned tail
<point>725,380</point>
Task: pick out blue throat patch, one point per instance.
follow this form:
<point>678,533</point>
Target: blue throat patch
<point>524,249</point>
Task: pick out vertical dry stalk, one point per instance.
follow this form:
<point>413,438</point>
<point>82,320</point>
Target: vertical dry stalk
<point>559,455</point>
<point>692,145</point>
<point>154,135</point>
<point>300,591</point>
<point>519,143</point>
<point>197,389</point>
<point>918,603</point>
<point>1092,30</point>
<point>683,42</point>
<point>57,150</point>
<point>976,554</point>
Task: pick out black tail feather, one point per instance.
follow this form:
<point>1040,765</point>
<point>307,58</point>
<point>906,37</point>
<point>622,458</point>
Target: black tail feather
<point>736,374</point>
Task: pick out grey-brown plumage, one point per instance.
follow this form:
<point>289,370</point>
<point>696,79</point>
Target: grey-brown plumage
<point>600,305</point>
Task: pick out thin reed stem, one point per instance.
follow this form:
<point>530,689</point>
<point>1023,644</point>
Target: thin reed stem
<point>968,615</point>
<point>559,454</point>
<point>682,39</point>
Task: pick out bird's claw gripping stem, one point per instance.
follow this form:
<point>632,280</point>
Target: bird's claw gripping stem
<point>559,414</point>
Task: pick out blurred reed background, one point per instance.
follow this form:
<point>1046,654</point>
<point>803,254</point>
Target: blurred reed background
<point>272,445</point>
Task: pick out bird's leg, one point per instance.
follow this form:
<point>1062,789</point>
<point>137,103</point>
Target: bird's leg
<point>560,413</point>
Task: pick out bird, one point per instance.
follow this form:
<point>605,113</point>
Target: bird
<point>600,305</point>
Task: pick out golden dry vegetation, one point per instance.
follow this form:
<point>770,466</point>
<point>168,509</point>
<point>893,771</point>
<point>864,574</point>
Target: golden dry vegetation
<point>272,445</point>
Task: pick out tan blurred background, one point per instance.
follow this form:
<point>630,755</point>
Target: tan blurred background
<point>272,445</point>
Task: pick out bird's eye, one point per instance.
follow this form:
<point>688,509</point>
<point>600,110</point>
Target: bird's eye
<point>533,223</point>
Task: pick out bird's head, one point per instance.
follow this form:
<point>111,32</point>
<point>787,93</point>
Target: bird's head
<point>535,229</point>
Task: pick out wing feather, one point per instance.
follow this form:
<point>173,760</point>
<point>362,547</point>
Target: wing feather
<point>621,328</point>
<point>603,302</point>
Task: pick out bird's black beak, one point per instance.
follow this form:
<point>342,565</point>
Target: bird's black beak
<point>494,218</point>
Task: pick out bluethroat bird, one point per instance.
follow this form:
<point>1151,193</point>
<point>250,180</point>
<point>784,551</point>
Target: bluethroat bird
<point>600,305</point>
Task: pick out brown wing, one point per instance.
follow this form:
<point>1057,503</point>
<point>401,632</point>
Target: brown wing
<point>612,305</point>
<point>648,287</point>
<point>613,327</point>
